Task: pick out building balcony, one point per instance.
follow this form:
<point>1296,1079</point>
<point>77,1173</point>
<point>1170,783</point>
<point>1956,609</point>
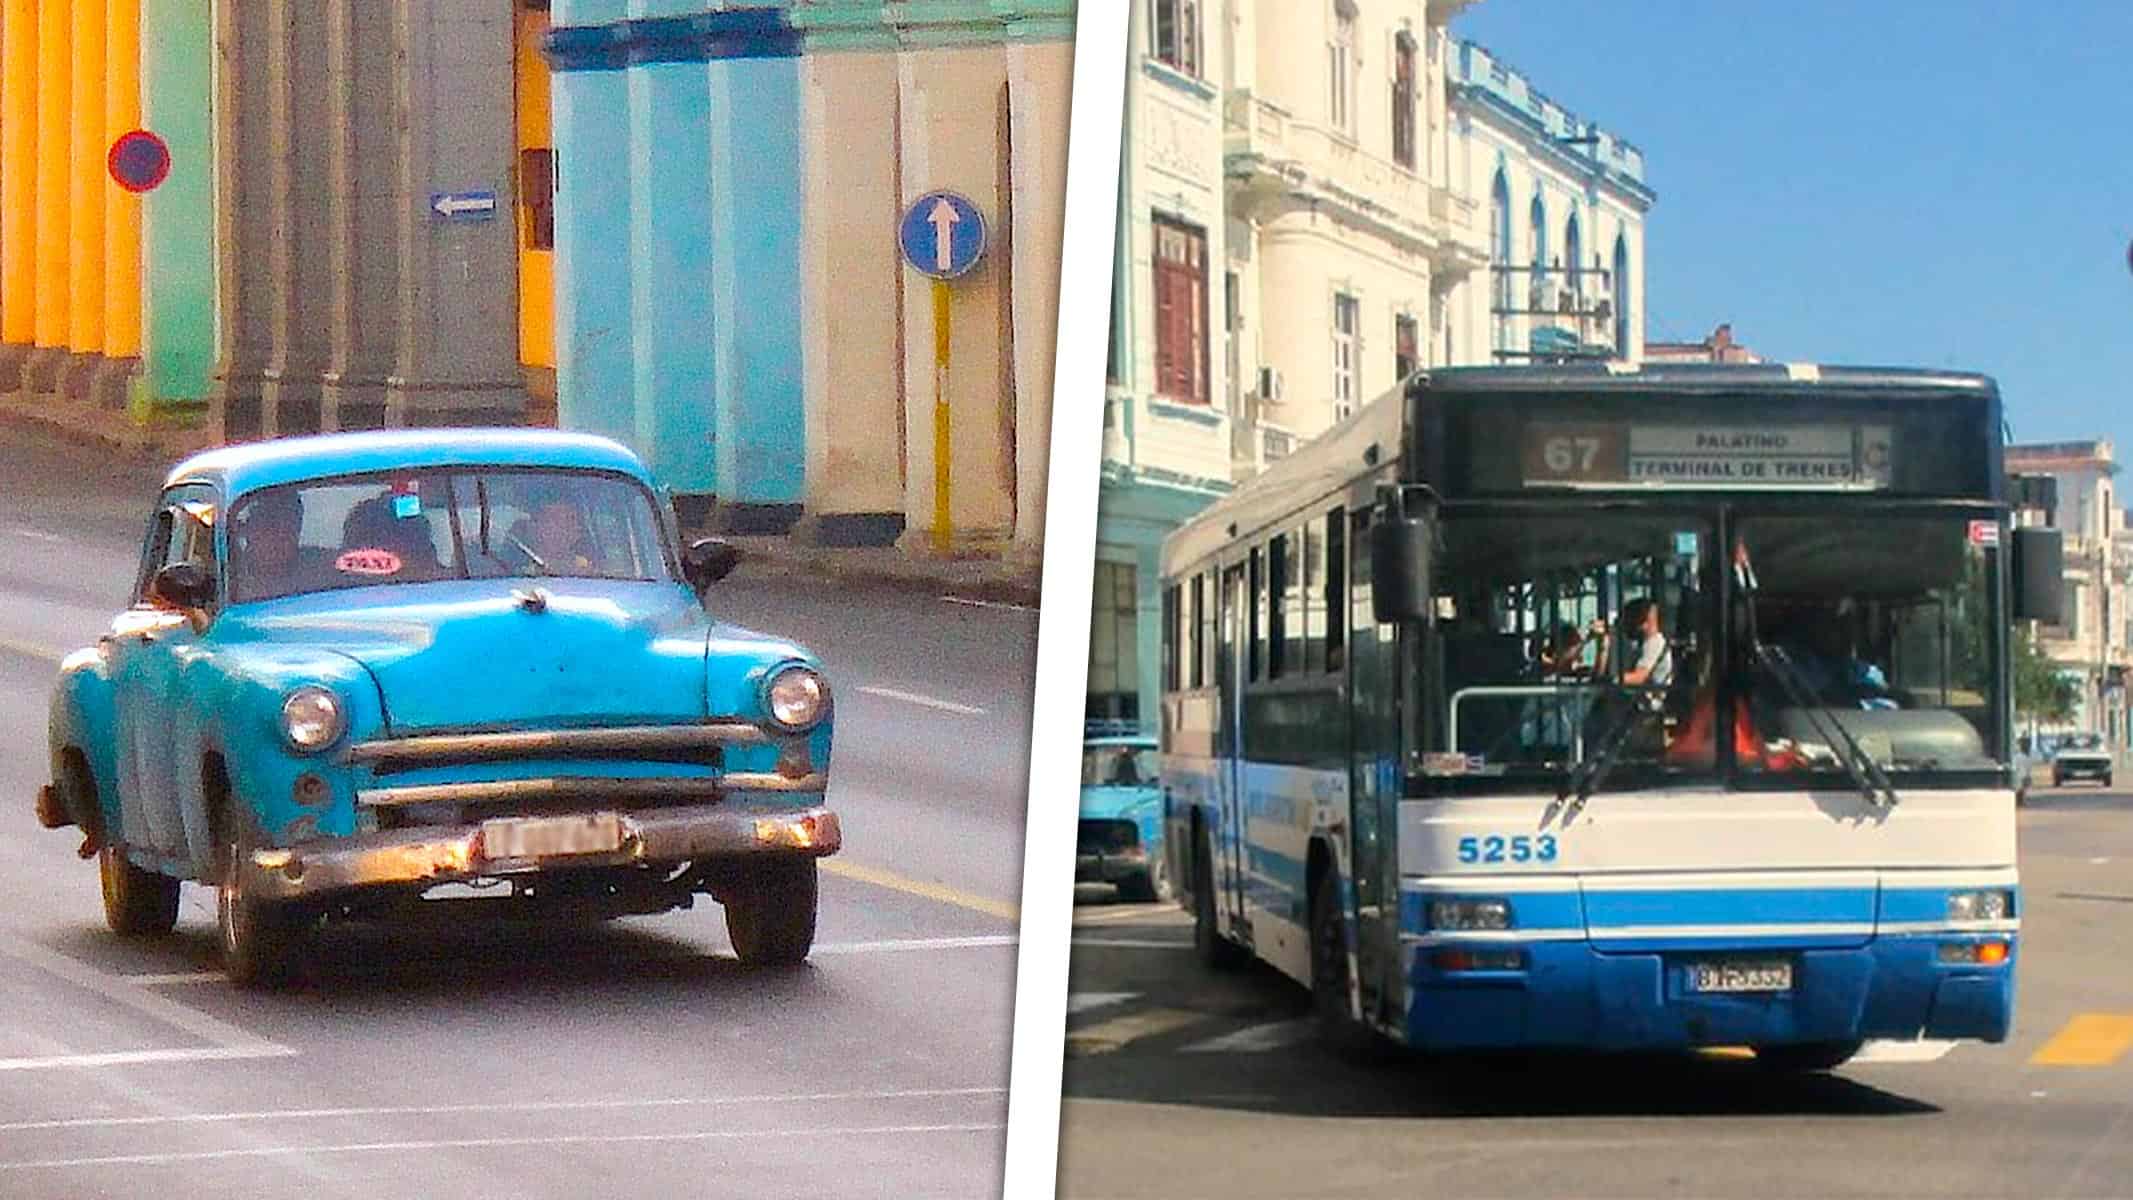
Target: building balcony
<point>1275,158</point>
<point>1153,440</point>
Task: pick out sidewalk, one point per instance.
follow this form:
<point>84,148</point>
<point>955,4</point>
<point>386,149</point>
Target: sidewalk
<point>1010,580</point>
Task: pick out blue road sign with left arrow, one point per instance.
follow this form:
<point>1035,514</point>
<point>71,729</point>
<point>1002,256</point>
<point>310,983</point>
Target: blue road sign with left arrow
<point>464,206</point>
<point>942,234</point>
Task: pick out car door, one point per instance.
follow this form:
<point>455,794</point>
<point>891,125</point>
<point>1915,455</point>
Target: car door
<point>143,648</point>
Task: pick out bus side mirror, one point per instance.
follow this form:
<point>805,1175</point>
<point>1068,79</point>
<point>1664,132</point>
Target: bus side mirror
<point>1399,569</point>
<point>2039,575</point>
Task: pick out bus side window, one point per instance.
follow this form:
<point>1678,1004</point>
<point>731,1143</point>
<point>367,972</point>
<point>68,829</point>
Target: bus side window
<point>1173,645</point>
<point>1336,599</point>
<point>1199,640</point>
<point>1256,635</point>
<point>1280,568</point>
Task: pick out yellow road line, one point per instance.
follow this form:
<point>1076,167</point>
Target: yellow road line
<point>940,892</point>
<point>1726,1052</point>
<point>1112,1034</point>
<point>31,650</point>
<point>2089,1040</point>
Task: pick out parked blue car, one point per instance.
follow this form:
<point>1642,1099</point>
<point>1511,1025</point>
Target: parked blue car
<point>1121,839</point>
<point>362,665</point>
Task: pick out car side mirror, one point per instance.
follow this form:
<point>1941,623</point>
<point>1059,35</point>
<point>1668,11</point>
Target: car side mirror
<point>707,561</point>
<point>183,585</point>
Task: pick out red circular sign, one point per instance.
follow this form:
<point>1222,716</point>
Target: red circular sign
<point>139,161</point>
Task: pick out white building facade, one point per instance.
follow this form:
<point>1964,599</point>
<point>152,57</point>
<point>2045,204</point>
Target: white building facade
<point>1564,203</point>
<point>2092,642</point>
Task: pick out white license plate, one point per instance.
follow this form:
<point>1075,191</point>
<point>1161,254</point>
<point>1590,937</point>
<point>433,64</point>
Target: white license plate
<point>1766,976</point>
<point>550,837</point>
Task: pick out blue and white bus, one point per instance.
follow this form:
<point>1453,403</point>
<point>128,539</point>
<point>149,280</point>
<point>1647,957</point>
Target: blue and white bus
<point>1596,707</point>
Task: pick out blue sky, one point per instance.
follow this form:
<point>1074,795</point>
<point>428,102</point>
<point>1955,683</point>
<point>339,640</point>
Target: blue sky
<point>1900,182</point>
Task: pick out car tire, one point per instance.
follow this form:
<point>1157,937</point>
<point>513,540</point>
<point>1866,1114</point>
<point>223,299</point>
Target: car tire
<point>1148,887</point>
<point>137,903</point>
<point>1805,1057</point>
<point>771,918</point>
<point>1338,1030</point>
<point>1208,945</point>
<point>258,937</point>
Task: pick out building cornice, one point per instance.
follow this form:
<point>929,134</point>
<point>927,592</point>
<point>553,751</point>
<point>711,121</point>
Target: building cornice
<point>783,31</point>
<point>1528,131</point>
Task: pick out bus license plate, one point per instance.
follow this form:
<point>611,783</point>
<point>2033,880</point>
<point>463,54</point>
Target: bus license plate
<point>1768,976</point>
<point>549,837</point>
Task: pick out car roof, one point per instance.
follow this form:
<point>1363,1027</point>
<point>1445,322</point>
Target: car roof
<point>236,470</point>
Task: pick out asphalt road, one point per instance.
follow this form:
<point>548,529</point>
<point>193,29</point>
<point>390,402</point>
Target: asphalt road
<point>1182,1083</point>
<point>632,1058</point>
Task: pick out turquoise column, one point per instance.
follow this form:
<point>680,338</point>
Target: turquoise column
<point>675,380</point>
<point>595,362</point>
<point>757,201</point>
<point>178,218</point>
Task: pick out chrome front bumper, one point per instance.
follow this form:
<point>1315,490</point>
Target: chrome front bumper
<point>429,855</point>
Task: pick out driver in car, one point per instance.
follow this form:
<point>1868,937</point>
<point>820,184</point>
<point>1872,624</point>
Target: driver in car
<point>265,542</point>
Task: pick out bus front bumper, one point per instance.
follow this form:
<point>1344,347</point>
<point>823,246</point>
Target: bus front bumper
<point>1568,995</point>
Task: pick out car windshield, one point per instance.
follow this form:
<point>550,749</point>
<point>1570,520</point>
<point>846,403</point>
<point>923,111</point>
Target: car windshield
<point>1117,766</point>
<point>423,526</point>
<point>1878,631</point>
<point>2082,741</point>
<point>1556,630</point>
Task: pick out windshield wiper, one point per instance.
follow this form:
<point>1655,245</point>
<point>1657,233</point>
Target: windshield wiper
<point>1873,782</point>
<point>539,564</point>
<point>1584,778</point>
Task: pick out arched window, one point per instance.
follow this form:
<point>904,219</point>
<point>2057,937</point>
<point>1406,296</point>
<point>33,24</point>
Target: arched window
<point>1621,289</point>
<point>1500,257</point>
<point>1573,256</point>
<point>1538,219</point>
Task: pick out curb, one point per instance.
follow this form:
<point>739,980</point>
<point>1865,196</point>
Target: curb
<point>99,429</point>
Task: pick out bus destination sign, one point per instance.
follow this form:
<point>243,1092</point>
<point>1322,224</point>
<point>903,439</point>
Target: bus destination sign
<point>1787,457</point>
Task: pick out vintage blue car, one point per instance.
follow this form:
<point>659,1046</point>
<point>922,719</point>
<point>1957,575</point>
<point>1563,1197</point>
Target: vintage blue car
<point>1121,840</point>
<point>360,666</point>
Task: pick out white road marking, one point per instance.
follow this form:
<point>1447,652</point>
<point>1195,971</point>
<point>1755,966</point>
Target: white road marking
<point>928,701</point>
<point>31,650</point>
<point>117,990</point>
<point>127,1058</point>
<point>1124,913</point>
<point>1902,1052</point>
<point>37,535</point>
<point>1131,944</point>
<point>803,1133</point>
<point>1081,1002</point>
<point>1255,1039</point>
<point>964,600</point>
<point>898,945</point>
<point>2098,862</point>
<point>160,979</point>
<point>523,1106</point>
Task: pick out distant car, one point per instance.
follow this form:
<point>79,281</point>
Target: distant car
<point>1122,817</point>
<point>2081,756</point>
<point>362,665</point>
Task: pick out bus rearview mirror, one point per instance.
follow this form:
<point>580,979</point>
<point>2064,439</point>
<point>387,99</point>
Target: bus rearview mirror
<point>1399,569</point>
<point>2039,575</point>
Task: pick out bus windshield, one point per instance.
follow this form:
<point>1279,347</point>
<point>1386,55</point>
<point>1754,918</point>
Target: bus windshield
<point>1563,635</point>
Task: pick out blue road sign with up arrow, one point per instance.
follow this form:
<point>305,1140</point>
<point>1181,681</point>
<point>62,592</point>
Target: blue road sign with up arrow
<point>942,234</point>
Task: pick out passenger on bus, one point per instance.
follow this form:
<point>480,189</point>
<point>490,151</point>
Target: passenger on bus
<point>1640,626</point>
<point>1562,656</point>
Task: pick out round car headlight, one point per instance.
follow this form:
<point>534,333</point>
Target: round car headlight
<point>312,718</point>
<point>796,697</point>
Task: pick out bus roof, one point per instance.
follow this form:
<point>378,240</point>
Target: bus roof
<point>1691,379</point>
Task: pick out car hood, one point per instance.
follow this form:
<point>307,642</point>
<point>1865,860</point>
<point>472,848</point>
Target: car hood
<point>473,654</point>
<point>2082,756</point>
<point>1111,801</point>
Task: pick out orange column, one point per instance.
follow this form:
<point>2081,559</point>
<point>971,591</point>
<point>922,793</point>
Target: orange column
<point>18,172</point>
<point>85,307</point>
<point>122,209</point>
<point>536,263</point>
<point>54,65</point>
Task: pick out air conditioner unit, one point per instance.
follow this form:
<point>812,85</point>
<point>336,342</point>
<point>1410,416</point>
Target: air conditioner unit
<point>1269,383</point>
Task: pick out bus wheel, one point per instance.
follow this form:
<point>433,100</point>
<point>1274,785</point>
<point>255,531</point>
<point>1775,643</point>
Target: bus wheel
<point>1805,1056</point>
<point>1208,944</point>
<point>1337,1029</point>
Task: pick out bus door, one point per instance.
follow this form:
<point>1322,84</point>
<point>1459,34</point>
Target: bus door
<point>1373,757</point>
<point>1226,841</point>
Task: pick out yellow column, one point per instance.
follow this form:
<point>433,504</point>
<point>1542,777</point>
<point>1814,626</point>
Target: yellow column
<point>54,31</point>
<point>85,307</point>
<point>18,171</point>
<point>122,209</point>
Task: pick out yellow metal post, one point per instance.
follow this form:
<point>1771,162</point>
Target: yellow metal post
<point>122,209</point>
<point>85,307</point>
<point>18,171</point>
<point>943,520</point>
<point>55,30</point>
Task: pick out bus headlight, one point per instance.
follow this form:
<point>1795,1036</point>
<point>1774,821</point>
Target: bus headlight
<point>796,697</point>
<point>1980,906</point>
<point>312,719</point>
<point>1467,915</point>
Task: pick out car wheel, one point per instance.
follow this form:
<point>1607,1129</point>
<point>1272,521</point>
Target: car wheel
<point>1804,1057</point>
<point>137,903</point>
<point>1208,944</point>
<point>258,936</point>
<point>771,917</point>
<point>1337,1028</point>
